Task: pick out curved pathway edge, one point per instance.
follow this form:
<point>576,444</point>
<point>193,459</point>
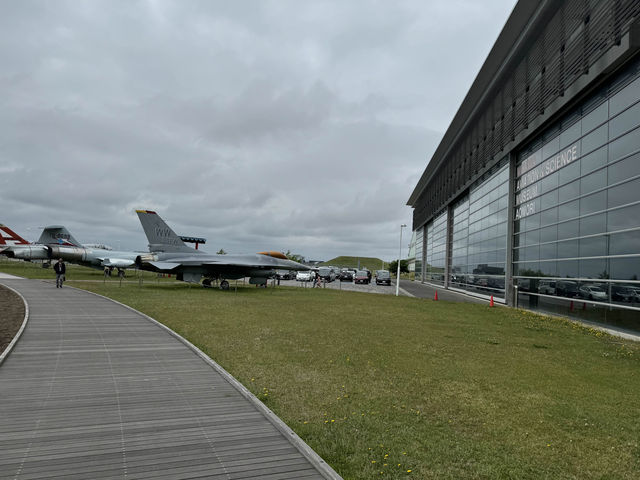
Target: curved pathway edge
<point>300,444</point>
<point>17,336</point>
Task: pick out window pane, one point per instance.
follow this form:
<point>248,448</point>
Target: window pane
<point>593,181</point>
<point>593,246</point>
<point>549,199</point>
<point>595,139</point>
<point>625,268</point>
<point>567,268</point>
<point>627,168</point>
<point>551,147</point>
<point>568,249</point>
<point>549,182</point>
<point>594,268</point>
<point>549,216</point>
<point>548,268</point>
<point>624,243</point>
<point>548,250</point>
<point>533,221</point>
<point>569,191</point>
<point>626,193</point>
<point>593,203</point>
<point>625,97</point>
<point>594,160</point>
<point>624,122</point>
<point>568,229</point>
<point>623,218</point>
<point>595,118</point>
<point>625,145</point>
<point>549,234</point>
<point>570,135</point>
<point>568,173</point>
<point>593,224</point>
<point>568,210</point>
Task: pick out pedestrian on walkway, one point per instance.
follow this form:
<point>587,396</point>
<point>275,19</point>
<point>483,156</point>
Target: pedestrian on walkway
<point>60,268</point>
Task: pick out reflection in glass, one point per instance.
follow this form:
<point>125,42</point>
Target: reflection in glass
<point>627,268</point>
<point>623,218</point>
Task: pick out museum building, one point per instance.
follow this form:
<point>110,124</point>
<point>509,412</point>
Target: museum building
<point>533,195</point>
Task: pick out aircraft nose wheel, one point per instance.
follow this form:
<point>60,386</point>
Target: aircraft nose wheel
<point>224,285</point>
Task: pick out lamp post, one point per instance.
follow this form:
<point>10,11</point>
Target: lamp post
<point>399,257</point>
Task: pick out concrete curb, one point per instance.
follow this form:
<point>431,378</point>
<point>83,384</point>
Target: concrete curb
<point>17,336</point>
<point>323,467</point>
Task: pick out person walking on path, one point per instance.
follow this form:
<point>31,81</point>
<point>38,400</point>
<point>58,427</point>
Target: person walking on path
<point>60,268</point>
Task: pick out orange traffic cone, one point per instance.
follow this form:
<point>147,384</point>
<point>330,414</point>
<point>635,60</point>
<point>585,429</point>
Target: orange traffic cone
<point>491,301</point>
<point>436,296</point>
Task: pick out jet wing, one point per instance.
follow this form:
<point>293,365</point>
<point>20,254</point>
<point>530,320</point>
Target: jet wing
<point>116,262</point>
<point>165,265</point>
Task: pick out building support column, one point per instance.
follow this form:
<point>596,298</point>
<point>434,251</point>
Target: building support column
<point>448,246</point>
<point>509,284</point>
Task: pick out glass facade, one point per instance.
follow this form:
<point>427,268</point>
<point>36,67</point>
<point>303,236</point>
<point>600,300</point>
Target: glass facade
<point>436,249</point>
<point>479,235</point>
<point>419,252</point>
<point>577,211</point>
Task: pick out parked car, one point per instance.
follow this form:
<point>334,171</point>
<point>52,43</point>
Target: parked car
<point>362,276</point>
<point>346,276</point>
<point>383,277</point>
<point>306,276</point>
<point>566,288</point>
<point>622,293</point>
<point>592,292</point>
<point>285,274</point>
<point>328,274</point>
<point>547,287</point>
<point>636,293</point>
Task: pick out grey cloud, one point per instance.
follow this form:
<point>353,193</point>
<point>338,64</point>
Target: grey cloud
<point>261,124</point>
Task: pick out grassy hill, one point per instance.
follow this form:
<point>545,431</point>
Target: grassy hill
<point>372,264</point>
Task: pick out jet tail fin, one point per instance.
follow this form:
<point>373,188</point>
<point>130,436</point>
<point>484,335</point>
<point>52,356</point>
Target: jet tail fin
<point>161,237</point>
<point>9,237</point>
<point>59,235</point>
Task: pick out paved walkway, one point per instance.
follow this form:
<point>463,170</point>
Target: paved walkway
<point>95,390</point>
<point>423,290</point>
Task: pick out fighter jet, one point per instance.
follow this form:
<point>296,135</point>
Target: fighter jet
<point>56,242</point>
<point>13,245</point>
<point>61,244</point>
<point>171,255</point>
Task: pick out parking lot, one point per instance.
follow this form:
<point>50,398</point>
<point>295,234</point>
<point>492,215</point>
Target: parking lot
<point>338,285</point>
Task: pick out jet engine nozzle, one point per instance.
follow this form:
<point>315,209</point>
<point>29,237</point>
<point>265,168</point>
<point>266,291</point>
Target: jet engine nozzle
<point>68,253</point>
<point>145,258</point>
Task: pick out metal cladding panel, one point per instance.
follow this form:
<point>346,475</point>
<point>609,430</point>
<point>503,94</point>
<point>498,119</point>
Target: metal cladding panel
<point>569,38</point>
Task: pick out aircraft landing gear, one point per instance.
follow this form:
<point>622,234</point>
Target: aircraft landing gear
<point>206,283</point>
<point>120,273</point>
<point>224,285</point>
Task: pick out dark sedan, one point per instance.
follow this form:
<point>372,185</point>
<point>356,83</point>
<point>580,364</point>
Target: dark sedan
<point>383,277</point>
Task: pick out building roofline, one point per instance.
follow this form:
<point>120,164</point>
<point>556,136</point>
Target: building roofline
<point>525,20</point>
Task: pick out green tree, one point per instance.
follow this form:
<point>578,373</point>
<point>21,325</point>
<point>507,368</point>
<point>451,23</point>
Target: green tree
<point>295,257</point>
<point>404,266</point>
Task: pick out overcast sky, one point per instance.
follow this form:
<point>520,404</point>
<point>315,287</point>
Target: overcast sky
<point>280,125</point>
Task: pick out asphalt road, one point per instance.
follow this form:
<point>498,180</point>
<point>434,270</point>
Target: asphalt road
<point>407,288</point>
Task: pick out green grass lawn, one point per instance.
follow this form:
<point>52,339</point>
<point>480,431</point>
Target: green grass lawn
<point>414,388</point>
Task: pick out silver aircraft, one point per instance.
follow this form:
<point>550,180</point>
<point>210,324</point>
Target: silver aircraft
<point>13,245</point>
<point>56,242</point>
<point>172,256</point>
